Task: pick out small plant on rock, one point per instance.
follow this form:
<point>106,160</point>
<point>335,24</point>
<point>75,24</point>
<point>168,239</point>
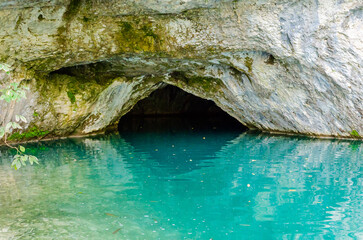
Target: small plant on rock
<point>12,94</point>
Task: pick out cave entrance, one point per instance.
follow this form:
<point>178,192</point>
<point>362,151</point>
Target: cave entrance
<point>170,108</point>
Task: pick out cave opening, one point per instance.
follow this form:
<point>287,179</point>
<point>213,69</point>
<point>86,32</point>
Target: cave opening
<point>169,108</point>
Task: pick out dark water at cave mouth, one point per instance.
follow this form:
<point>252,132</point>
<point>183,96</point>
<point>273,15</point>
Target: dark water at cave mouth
<point>184,183</point>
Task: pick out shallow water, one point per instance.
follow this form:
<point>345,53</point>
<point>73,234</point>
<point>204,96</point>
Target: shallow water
<point>185,183</point>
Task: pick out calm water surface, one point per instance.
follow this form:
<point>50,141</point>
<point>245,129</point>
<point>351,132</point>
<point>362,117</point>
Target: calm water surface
<point>188,182</point>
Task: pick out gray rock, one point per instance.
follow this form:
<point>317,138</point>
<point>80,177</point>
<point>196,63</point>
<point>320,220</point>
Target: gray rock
<point>279,66</point>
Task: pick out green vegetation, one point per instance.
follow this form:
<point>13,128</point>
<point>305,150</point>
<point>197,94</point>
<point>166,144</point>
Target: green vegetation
<point>248,63</point>
<point>71,97</point>
<point>137,35</point>
<point>207,83</point>
<point>354,133</point>
<point>210,85</point>
<point>34,132</point>
<point>127,27</point>
<point>85,19</point>
<point>11,94</point>
<point>149,32</point>
<point>72,9</point>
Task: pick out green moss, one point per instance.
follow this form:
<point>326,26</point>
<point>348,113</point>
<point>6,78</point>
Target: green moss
<point>61,39</point>
<point>248,63</point>
<point>71,97</point>
<point>212,50</point>
<point>19,21</point>
<point>149,32</point>
<point>137,35</point>
<point>30,134</point>
<point>72,9</point>
<point>85,19</point>
<point>208,84</point>
<point>127,27</point>
<point>355,134</point>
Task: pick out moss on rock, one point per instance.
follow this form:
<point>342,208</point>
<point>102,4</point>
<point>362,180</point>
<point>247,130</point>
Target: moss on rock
<point>137,35</point>
<point>71,97</point>
<point>355,134</point>
<point>248,64</point>
<point>32,133</point>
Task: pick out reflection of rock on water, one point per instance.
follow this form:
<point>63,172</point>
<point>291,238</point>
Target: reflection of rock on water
<point>164,124</point>
<point>234,181</point>
<point>178,143</point>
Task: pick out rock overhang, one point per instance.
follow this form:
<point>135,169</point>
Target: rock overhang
<point>275,66</point>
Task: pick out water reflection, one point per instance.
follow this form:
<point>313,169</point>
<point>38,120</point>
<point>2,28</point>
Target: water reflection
<point>192,184</point>
<point>177,145</point>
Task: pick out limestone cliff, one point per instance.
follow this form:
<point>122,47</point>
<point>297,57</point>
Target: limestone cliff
<point>288,66</point>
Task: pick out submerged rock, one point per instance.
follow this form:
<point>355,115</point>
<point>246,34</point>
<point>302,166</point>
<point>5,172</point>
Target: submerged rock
<point>278,66</point>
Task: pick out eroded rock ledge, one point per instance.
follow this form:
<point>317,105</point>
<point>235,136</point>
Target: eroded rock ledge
<point>278,66</point>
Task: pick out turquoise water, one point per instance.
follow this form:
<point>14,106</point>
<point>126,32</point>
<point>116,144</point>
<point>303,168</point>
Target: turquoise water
<point>185,182</point>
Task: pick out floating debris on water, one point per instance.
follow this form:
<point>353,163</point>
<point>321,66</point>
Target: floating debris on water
<point>111,215</point>
<point>116,231</point>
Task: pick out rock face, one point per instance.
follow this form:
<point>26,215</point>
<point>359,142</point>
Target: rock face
<point>280,65</point>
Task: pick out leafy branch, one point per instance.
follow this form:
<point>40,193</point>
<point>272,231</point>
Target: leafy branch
<point>12,94</point>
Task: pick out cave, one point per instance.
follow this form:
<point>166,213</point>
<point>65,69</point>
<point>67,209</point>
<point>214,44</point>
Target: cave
<point>169,108</point>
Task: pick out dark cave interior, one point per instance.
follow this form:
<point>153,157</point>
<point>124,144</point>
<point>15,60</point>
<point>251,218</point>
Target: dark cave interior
<point>170,108</point>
